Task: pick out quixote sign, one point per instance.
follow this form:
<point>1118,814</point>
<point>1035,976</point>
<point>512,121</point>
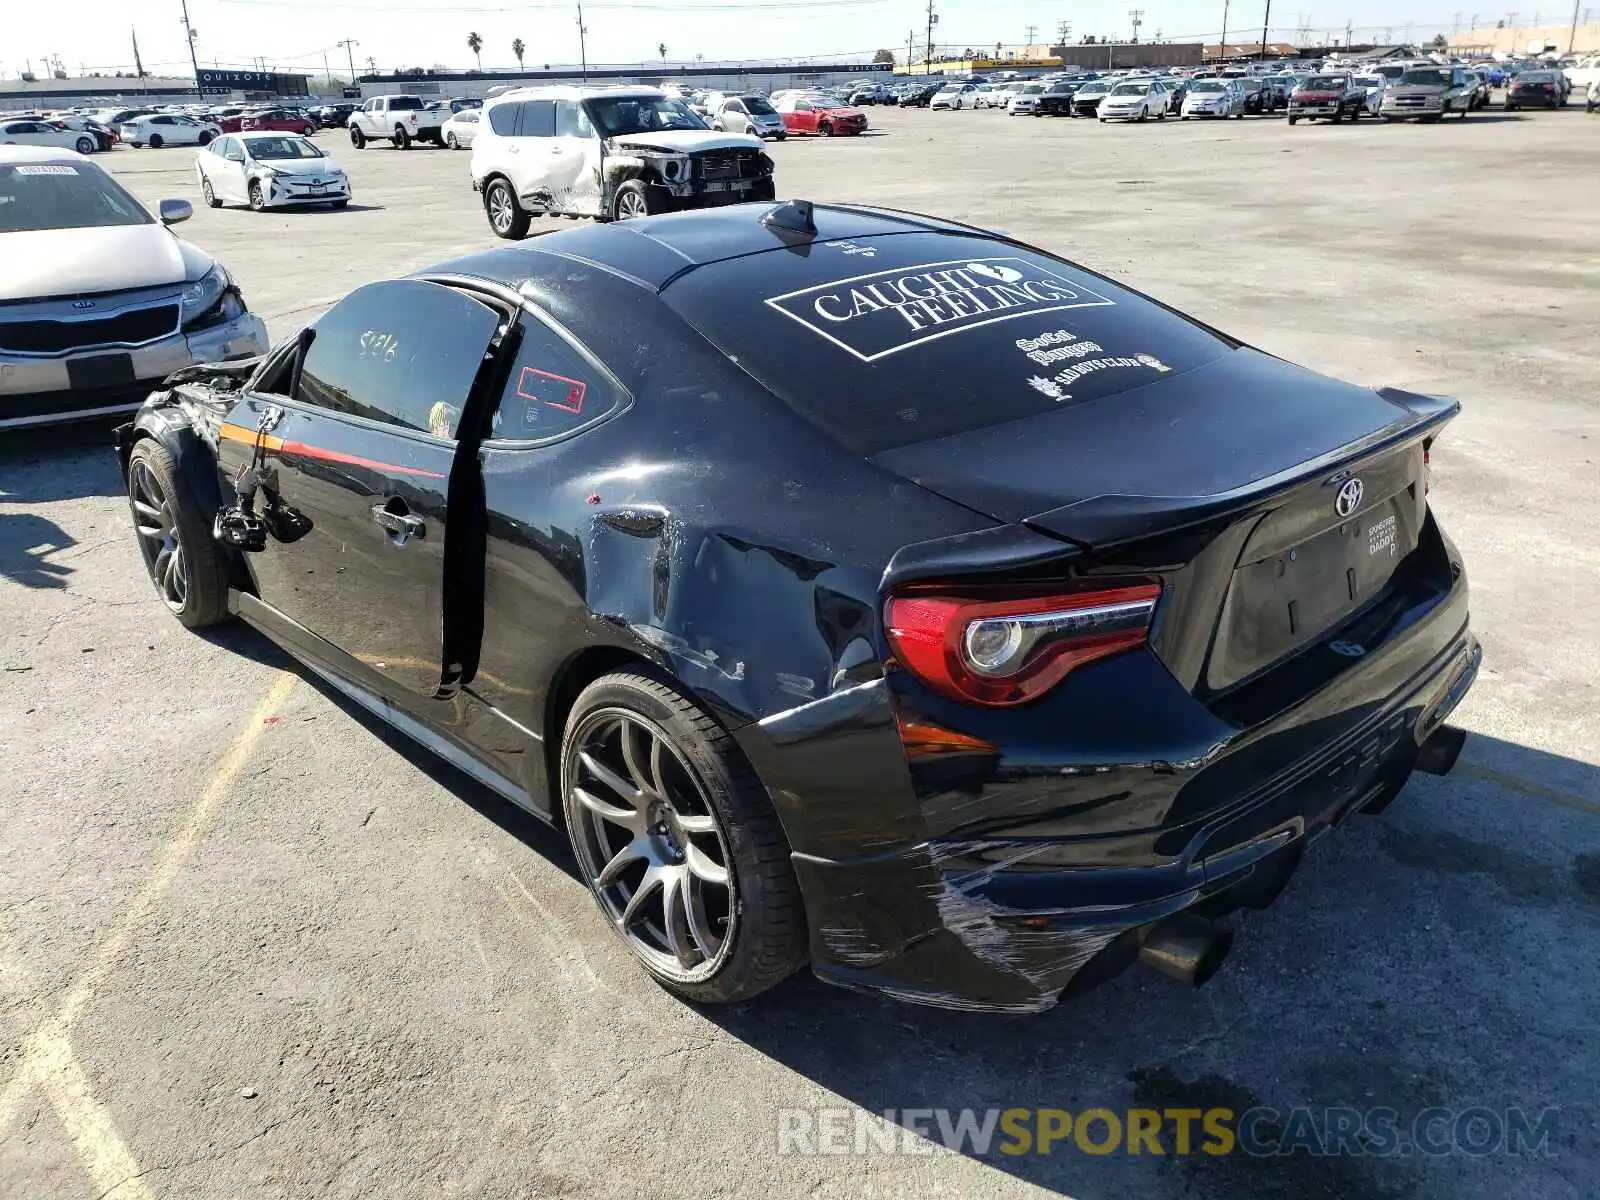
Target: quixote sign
<point>884,312</point>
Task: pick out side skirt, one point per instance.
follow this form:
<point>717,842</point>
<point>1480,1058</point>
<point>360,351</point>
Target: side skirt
<point>342,672</point>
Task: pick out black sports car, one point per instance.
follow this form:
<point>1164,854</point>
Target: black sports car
<point>1056,100</point>
<point>852,586</point>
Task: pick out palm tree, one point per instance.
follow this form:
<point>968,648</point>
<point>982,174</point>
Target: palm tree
<point>662,50</point>
<point>475,44</point>
<point>519,50</point>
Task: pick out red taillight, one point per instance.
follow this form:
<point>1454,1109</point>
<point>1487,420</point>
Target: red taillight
<point>1001,650</point>
<point>1427,467</point>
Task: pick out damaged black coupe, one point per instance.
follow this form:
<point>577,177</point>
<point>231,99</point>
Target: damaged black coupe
<point>852,586</point>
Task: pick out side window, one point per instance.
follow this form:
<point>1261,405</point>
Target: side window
<point>553,389</point>
<point>733,106</point>
<point>538,119</point>
<point>571,120</point>
<point>503,119</point>
<point>404,352</point>
<point>801,106</point>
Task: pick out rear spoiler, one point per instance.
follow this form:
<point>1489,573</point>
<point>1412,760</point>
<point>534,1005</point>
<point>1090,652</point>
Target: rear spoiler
<point>1102,521</point>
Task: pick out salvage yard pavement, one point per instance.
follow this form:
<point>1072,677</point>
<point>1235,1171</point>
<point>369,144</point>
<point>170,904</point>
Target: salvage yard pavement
<point>252,944</point>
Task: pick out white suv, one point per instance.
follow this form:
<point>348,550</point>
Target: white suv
<point>610,153</point>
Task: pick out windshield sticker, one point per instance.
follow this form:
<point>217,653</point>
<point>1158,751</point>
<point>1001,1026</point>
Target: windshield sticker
<point>44,169</point>
<point>873,316</point>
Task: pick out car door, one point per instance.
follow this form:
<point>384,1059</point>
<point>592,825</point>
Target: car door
<point>732,117</point>
<point>804,117</point>
<point>528,159</point>
<point>574,161</point>
<point>351,452</point>
<point>231,158</point>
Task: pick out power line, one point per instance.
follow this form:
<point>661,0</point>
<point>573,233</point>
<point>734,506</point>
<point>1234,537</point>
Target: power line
<point>611,5</point>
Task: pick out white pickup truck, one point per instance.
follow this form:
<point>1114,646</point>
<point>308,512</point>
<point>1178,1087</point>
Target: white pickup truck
<point>399,119</point>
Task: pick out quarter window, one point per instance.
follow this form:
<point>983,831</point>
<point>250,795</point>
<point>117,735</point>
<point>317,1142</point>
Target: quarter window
<point>503,119</point>
<point>404,352</point>
<point>553,389</point>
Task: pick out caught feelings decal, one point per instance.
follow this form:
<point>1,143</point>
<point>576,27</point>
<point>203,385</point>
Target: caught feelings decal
<point>875,315</point>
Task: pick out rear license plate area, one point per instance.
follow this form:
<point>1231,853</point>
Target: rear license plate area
<point>101,371</point>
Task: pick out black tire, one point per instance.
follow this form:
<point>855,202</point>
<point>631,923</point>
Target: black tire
<point>450,141</point>
<point>85,145</point>
<point>400,139</point>
<point>825,129</point>
<point>767,941</point>
<point>258,198</point>
<point>308,131</point>
<point>209,195</point>
<point>195,555</point>
<point>1293,120</point>
<point>340,203</point>
<point>206,137</point>
<point>155,141</point>
<point>357,138</point>
<point>507,218</point>
<point>628,199</point>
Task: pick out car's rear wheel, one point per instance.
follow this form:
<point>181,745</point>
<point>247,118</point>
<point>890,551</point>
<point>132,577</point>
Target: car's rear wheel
<point>209,194</point>
<point>85,145</point>
<point>450,141</point>
<point>357,138</point>
<point>205,137</point>
<point>632,201</point>
<point>175,539</point>
<point>400,139</point>
<point>678,841</point>
<point>155,141</point>
<point>507,218</point>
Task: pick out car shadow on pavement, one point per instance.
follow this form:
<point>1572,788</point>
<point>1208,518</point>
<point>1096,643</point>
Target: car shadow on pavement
<point>1428,956</point>
<point>65,462</point>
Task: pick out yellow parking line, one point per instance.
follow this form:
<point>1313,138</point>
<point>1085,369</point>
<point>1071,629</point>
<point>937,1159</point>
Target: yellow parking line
<point>1527,787</point>
<point>47,1058</point>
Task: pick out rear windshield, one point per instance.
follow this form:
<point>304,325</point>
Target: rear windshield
<point>1324,83</point>
<point>37,196</point>
<point>933,334</point>
<point>403,102</point>
<point>1536,77</point>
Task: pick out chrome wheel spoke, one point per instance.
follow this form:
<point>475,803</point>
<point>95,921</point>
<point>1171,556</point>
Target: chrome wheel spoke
<point>628,818</point>
<point>694,824</point>
<point>645,781</point>
<point>675,906</point>
<point>648,886</point>
<point>622,787</point>
<point>704,866</point>
<point>699,924</point>
<point>147,510</point>
<point>637,850</point>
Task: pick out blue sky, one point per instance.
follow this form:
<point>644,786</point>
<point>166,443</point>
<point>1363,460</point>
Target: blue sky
<point>294,34</point>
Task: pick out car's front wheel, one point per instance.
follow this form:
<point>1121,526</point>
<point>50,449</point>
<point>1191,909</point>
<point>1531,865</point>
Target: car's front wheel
<point>631,201</point>
<point>175,539</point>
<point>678,841</point>
<point>258,198</point>
<point>507,218</point>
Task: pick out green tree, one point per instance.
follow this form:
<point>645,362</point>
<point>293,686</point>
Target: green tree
<point>1440,42</point>
<point>884,56</point>
<point>662,50</point>
<point>475,44</point>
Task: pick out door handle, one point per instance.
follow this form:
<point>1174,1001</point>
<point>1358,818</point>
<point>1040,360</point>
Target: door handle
<point>401,527</point>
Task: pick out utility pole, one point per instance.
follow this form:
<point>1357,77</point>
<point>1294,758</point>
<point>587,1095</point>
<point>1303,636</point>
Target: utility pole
<point>583,46</point>
<point>1572,33</point>
<point>1136,15</point>
<point>1222,49</point>
<point>1265,17</point>
<point>1028,32</point>
<point>933,19</point>
<point>1349,29</point>
<point>1063,32</point>
<point>911,37</point>
<point>349,45</point>
<point>189,36</point>
<point>327,75</point>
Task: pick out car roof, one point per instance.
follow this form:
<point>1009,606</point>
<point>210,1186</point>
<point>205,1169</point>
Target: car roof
<point>654,251</point>
<point>40,154</point>
<point>261,135</point>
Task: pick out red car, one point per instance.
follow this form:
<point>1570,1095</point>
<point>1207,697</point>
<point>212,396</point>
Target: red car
<point>277,120</point>
<point>820,115</point>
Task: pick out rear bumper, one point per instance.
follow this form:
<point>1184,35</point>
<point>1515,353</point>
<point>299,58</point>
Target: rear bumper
<point>1004,925</point>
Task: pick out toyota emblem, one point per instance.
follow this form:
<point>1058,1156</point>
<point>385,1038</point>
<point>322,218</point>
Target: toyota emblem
<point>1349,497</point>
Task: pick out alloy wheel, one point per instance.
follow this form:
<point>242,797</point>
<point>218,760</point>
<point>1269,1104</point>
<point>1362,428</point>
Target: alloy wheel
<point>500,209</point>
<point>650,844</point>
<point>158,536</point>
<point>631,206</point>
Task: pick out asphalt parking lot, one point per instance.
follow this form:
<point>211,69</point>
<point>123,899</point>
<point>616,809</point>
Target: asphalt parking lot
<point>251,945</point>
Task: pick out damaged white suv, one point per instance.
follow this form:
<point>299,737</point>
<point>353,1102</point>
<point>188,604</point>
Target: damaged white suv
<point>609,153</point>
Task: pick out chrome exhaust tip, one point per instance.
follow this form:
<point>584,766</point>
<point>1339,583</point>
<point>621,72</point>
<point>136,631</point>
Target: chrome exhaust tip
<point>1186,947</point>
<point>1440,751</point>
